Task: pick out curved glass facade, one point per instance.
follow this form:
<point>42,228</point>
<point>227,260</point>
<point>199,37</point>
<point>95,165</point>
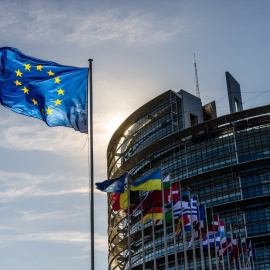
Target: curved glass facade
<point>224,161</point>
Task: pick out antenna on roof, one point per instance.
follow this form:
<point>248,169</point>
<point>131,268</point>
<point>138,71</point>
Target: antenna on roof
<point>196,79</point>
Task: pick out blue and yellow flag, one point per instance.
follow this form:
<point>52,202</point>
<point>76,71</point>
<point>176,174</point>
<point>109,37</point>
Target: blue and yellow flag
<point>113,185</point>
<point>149,182</point>
<point>51,92</point>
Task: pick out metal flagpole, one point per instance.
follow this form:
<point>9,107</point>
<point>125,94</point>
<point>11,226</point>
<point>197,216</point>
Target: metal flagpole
<point>208,242</point>
<point>192,235</point>
<point>200,231</point>
<point>234,264</point>
<point>154,241</point>
<point>129,242</point>
<point>243,221</point>
<point>250,261</point>
<point>240,237</point>
<point>213,223</point>
<point>238,259</point>
<point>164,225</point>
<point>228,255</point>
<point>223,265</point>
<point>91,159</point>
<point>173,224</point>
<point>142,238</point>
<point>183,228</point>
<point>255,257</point>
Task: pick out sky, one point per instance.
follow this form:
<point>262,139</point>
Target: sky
<point>140,49</point>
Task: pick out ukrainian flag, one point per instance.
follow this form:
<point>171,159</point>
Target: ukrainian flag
<point>149,182</point>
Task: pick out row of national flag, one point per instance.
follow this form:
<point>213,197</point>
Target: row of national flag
<point>183,210</point>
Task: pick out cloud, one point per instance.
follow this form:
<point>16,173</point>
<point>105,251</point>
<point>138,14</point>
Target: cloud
<point>15,185</point>
<point>134,28</point>
<point>38,137</point>
<point>34,135</point>
<point>64,237</point>
<point>36,22</point>
<point>38,216</point>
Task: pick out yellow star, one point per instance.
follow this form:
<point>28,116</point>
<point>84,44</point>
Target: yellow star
<point>34,101</point>
<point>27,67</point>
<point>42,110</point>
<point>58,102</point>
<point>50,73</point>
<point>49,111</point>
<point>57,80</point>
<point>17,83</point>
<point>110,187</point>
<point>25,90</point>
<point>18,73</point>
<point>60,91</point>
<point>113,185</point>
<point>39,67</point>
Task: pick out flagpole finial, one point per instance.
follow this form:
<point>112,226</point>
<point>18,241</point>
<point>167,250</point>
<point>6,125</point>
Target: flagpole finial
<point>90,60</point>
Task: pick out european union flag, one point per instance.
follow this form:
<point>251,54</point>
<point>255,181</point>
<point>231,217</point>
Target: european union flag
<point>113,185</point>
<point>51,92</point>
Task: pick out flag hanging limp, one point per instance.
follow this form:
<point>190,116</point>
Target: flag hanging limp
<point>51,92</point>
<point>121,202</point>
<point>113,185</point>
<point>154,212</point>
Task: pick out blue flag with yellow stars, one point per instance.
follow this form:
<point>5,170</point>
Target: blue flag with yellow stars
<point>113,185</point>
<point>51,92</point>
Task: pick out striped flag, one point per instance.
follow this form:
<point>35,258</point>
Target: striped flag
<point>251,256</point>
<point>157,214</point>
<point>212,240</point>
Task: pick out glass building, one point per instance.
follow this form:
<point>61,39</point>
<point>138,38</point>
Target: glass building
<point>224,161</point>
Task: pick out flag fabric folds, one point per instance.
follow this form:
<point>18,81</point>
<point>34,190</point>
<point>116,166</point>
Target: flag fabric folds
<point>120,200</point>
<point>212,238</point>
<point>149,182</point>
<point>168,217</point>
<point>251,256</point>
<point>222,249</point>
<point>202,215</point>
<point>112,185</point>
<point>45,90</point>
<point>199,225</point>
<point>157,214</point>
<point>155,197</point>
<point>178,230</point>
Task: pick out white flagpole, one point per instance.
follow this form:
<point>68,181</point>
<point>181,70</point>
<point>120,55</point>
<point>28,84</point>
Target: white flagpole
<point>173,224</point>
<point>255,258</point>
<point>142,238</point>
<point>238,259</point>
<point>244,260</point>
<point>213,223</point>
<point>228,255</point>
<point>208,242</point>
<point>223,265</point>
<point>164,224</point>
<point>201,246</point>
<point>240,237</point>
<point>129,242</point>
<point>183,228</point>
<point>192,235</point>
<point>248,259</point>
<point>232,242</point>
<point>154,241</point>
